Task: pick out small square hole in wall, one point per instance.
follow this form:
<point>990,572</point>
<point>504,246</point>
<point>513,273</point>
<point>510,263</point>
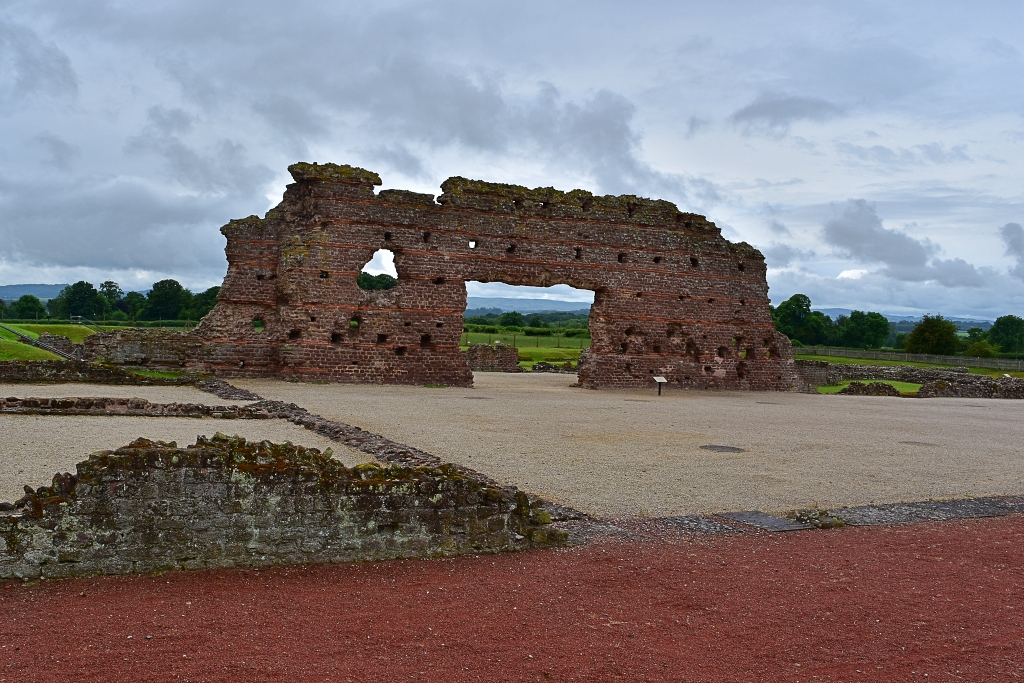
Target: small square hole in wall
<point>622,257</point>
<point>258,325</point>
<point>399,350</point>
<point>324,275</point>
<point>294,334</point>
<point>657,259</point>
<point>336,337</point>
<point>694,261</point>
<point>425,340</point>
<point>408,324</point>
<point>438,325</point>
<point>426,236</point>
<point>387,236</point>
<point>472,244</point>
<point>312,318</point>
<point>579,252</point>
<point>438,280</point>
<point>353,324</point>
<point>382,339</point>
<point>511,248</point>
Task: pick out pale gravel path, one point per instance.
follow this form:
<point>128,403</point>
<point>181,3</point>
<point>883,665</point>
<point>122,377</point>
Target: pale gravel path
<point>630,452</point>
<point>34,447</point>
<point>183,394</point>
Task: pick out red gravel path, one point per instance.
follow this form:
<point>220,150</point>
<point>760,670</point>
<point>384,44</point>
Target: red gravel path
<point>942,601</point>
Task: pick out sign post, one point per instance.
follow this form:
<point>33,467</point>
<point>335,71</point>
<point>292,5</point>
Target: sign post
<point>660,381</point>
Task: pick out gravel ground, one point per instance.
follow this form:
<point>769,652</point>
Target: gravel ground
<point>633,453</point>
<point>184,394</point>
<point>34,447</point>
<point>921,602</point>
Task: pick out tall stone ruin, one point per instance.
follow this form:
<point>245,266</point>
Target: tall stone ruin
<point>672,297</point>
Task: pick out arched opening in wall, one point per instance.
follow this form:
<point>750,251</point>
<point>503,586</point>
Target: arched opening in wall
<point>379,272</point>
<point>549,325</point>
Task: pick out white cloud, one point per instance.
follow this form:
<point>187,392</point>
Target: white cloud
<point>854,274</point>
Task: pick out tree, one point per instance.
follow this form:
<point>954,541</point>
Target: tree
<point>976,334</point>
<point>981,349</point>
<point>863,330</point>
<point>3,307</point>
<point>112,292</point>
<point>166,300</point>
<point>201,304</point>
<point>536,321</point>
<point>795,319</point>
<point>511,319</point>
<point>27,307</point>
<point>372,282</point>
<point>134,304</point>
<point>1007,332</point>
<point>80,298</point>
<point>934,334</point>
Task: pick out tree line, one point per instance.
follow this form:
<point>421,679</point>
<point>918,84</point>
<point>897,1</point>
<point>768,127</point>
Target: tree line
<point>167,300</point>
<point>934,334</point>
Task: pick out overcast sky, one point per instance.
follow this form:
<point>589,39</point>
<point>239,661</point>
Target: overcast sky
<point>872,151</point>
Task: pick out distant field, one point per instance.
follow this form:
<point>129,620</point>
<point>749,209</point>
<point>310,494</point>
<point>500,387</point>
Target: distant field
<point>904,387</point>
<point>865,361</point>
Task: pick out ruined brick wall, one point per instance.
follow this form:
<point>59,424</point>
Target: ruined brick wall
<point>227,503</point>
<point>135,346</point>
<point>672,297</point>
<point>497,358</point>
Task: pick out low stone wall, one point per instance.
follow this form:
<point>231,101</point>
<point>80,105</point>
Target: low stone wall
<point>59,342</point>
<point>224,502</point>
<point>839,372</point>
<point>935,382</point>
<point>974,386</point>
<point>146,347</point>
<point>61,371</point>
<point>497,358</point>
<point>126,406</point>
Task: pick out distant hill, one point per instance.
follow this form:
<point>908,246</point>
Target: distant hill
<point>962,323</point>
<point>44,292</point>
<point>503,304</point>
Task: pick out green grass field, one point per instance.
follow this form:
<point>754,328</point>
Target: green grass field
<point>903,387</point>
<point>76,333</point>
<point>12,350</point>
<point>533,349</point>
<point>865,361</point>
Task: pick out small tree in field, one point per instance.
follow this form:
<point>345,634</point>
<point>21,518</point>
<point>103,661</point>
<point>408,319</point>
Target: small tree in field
<point>934,334</point>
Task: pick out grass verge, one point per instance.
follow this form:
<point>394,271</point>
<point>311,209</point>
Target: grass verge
<point>12,350</point>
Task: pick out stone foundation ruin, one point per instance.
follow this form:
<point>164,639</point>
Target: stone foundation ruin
<point>672,297</point>
<point>223,502</point>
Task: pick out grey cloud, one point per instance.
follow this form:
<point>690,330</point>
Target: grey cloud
<point>774,112</point>
<point>1013,236</point>
<point>693,126</point>
<point>778,227</point>
<point>111,223</point>
<point>29,66</point>
<point>172,121</point>
<point>61,152</point>
<point>223,168</point>
<point>293,120</point>
<point>857,231</point>
<point>778,255</point>
<point>400,159</point>
<point>905,156</point>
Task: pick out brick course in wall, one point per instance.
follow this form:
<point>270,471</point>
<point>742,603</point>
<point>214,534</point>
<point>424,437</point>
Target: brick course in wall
<point>224,502</point>
<point>672,297</point>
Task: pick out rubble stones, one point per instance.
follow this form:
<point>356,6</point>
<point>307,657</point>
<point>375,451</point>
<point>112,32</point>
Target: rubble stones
<point>869,389</point>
